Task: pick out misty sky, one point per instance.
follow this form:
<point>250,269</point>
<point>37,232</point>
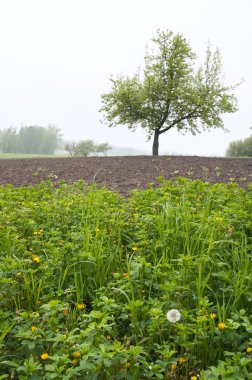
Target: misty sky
<point>56,58</point>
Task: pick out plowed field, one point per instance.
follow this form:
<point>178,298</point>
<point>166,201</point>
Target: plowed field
<point>122,174</point>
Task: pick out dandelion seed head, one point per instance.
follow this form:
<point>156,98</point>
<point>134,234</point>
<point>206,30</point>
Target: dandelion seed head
<point>173,315</point>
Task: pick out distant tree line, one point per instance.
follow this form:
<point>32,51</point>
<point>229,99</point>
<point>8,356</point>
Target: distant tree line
<point>86,148</point>
<point>240,148</point>
<point>31,139</point>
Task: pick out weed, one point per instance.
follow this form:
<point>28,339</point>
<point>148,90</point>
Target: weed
<point>94,286</point>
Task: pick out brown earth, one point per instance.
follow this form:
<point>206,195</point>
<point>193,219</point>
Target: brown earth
<point>123,174</point>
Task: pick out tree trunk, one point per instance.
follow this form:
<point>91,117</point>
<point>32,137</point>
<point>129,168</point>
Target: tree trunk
<point>155,143</point>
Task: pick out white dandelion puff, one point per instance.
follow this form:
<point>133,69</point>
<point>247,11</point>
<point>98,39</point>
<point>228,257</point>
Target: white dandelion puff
<point>173,315</point>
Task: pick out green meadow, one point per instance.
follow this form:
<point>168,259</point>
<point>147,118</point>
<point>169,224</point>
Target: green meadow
<point>23,155</point>
<point>97,286</point>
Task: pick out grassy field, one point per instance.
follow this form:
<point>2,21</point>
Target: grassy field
<point>21,155</point>
<point>96,286</point>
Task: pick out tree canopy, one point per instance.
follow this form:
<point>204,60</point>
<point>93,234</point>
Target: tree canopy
<point>169,92</point>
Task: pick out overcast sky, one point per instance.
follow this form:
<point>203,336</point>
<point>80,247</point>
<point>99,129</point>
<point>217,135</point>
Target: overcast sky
<point>56,58</point>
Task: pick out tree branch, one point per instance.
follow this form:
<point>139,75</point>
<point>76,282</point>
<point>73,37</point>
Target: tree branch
<point>188,116</point>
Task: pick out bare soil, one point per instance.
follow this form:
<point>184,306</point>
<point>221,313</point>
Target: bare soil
<point>122,174</point>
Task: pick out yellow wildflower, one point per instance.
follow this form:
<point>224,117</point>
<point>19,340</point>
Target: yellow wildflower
<point>212,315</point>
<point>249,350</point>
<point>74,362</point>
<point>221,326</point>
<point>125,274</point>
<point>173,367</point>
<point>194,378</point>
<point>33,328</point>
<point>182,360</point>
<point>81,306</point>
<point>128,365</point>
<point>76,354</point>
<point>36,259</point>
<point>44,356</point>
<point>18,274</point>
<point>108,337</point>
<point>134,249</point>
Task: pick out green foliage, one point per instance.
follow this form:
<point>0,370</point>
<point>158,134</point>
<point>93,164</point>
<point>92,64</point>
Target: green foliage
<point>240,148</point>
<point>86,148</point>
<point>30,140</point>
<point>170,93</point>
<point>87,278</point>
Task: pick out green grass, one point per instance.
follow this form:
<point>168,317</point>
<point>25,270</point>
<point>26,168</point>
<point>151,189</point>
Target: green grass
<point>22,155</point>
<point>87,278</point>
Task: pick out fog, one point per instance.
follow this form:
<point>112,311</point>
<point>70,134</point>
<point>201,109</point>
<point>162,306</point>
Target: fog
<point>56,58</point>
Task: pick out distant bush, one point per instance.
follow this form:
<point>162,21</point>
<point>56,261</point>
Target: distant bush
<point>86,148</point>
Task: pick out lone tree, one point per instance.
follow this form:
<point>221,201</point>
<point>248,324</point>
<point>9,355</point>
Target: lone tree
<point>169,93</point>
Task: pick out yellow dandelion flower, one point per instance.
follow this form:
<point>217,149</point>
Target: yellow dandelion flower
<point>221,326</point>
<point>125,274</point>
<point>76,354</point>
<point>173,367</point>
<point>182,360</point>
<point>194,378</point>
<point>35,233</point>
<point>212,315</point>
<point>74,362</point>
<point>108,337</point>
<point>44,356</point>
<point>128,365</point>
<point>249,350</point>
<point>134,249</point>
<point>18,275</point>
<point>36,259</point>
<point>81,306</point>
<point>33,328</point>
